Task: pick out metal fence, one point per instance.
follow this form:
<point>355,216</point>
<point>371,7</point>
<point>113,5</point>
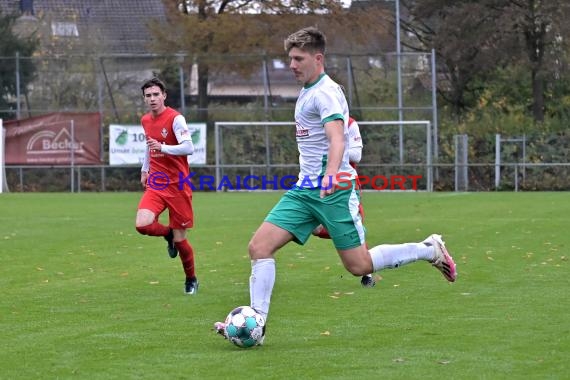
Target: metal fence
<point>514,177</point>
<point>110,84</point>
<point>406,143</point>
<point>245,152</point>
<point>261,88</point>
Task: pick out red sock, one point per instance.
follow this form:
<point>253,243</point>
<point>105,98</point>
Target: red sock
<point>154,229</point>
<point>186,254</point>
<point>324,234</point>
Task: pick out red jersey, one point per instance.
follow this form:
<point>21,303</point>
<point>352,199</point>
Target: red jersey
<point>354,138</point>
<point>165,165</point>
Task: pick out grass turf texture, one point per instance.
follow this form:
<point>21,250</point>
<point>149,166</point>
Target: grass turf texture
<point>85,296</point>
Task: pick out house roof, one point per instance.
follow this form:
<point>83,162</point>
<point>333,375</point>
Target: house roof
<point>119,25</point>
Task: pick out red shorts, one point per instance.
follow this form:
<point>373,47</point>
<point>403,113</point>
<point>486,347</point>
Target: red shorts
<point>180,213</point>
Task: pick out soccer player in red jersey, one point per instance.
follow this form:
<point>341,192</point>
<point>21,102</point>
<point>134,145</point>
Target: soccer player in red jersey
<point>165,163</point>
<point>354,156</point>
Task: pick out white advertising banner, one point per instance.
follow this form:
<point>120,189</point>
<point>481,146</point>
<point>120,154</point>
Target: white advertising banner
<point>127,144</point>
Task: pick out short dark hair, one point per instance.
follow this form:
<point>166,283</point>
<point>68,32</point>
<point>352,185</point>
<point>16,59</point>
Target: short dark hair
<point>153,82</point>
<point>310,39</point>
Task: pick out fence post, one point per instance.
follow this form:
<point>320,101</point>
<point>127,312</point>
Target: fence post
<point>18,107</point>
<point>429,158</point>
<point>461,163</point>
<point>349,81</point>
<point>217,147</point>
<point>180,61</point>
<point>399,79</point>
<point>434,112</point>
<point>516,177</point>
<point>2,172</point>
<point>497,160</point>
<point>266,89</point>
<point>524,158</point>
<point>72,154</point>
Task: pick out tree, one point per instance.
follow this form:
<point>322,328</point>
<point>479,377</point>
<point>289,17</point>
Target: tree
<point>473,39</point>
<point>467,39</point>
<point>208,29</point>
<point>541,26</point>
<point>10,45</point>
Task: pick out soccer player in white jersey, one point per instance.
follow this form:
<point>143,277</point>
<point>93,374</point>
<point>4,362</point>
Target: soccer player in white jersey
<point>321,117</point>
<point>354,155</point>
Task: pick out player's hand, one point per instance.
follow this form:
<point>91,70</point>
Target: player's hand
<point>144,178</point>
<point>328,185</point>
<point>153,144</point>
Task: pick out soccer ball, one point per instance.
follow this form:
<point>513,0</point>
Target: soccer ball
<point>244,327</point>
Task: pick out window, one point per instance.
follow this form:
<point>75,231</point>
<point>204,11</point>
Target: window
<point>64,29</point>
<point>27,7</point>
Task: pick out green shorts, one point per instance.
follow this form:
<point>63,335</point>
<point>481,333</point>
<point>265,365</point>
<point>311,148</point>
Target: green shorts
<point>299,211</point>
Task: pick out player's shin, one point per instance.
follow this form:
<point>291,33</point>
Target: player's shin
<point>187,258</point>
<point>396,255</point>
<point>261,284</point>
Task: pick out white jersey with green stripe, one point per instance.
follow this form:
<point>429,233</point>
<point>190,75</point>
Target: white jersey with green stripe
<point>319,103</point>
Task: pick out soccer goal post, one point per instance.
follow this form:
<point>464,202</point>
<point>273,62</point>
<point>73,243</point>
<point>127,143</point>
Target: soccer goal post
<point>3,185</point>
<point>264,155</point>
<point>398,148</point>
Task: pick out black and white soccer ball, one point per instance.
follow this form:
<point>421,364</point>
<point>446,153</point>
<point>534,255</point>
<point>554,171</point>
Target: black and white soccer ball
<point>245,327</point>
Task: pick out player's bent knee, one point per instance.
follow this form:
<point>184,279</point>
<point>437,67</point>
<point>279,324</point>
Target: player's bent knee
<point>143,230</point>
<point>357,270</point>
<point>357,261</point>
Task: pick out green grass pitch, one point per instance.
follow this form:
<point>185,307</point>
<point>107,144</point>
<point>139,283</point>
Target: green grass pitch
<point>84,296</point>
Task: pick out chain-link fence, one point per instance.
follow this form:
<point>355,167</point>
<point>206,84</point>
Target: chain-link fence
<point>514,177</point>
<point>250,153</point>
<point>259,88</point>
<point>241,87</point>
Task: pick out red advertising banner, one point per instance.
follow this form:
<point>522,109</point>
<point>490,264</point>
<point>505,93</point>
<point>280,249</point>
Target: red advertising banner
<point>55,139</point>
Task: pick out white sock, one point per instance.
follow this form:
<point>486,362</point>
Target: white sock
<point>261,284</point>
<point>396,255</point>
